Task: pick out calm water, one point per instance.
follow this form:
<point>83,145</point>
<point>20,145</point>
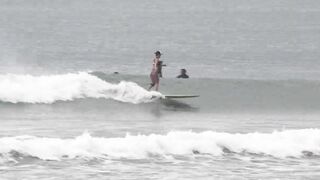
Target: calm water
<point>65,115</point>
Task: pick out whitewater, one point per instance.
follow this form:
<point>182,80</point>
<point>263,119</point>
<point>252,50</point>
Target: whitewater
<point>281,144</point>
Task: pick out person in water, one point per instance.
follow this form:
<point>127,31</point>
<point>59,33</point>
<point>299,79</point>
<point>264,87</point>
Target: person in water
<point>156,71</point>
<point>183,74</point>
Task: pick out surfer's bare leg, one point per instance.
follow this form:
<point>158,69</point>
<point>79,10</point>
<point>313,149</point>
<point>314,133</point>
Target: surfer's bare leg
<point>157,86</point>
<point>151,85</point>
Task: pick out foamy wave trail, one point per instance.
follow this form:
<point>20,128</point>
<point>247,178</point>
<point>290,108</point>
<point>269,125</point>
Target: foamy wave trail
<point>287,143</point>
<point>67,87</point>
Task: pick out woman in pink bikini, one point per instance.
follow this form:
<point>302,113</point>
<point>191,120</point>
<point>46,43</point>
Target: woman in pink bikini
<point>156,71</point>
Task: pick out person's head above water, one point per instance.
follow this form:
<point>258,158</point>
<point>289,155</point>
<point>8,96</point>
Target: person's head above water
<point>183,71</point>
<point>158,54</point>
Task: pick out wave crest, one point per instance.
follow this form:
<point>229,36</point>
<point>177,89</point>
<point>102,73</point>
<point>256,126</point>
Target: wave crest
<point>67,87</point>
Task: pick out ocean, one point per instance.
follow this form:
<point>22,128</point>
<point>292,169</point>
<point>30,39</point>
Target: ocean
<point>66,114</point>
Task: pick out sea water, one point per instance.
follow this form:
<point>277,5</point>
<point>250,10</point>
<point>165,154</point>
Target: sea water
<point>65,114</point>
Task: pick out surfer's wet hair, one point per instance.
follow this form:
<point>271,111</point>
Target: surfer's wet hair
<point>158,53</point>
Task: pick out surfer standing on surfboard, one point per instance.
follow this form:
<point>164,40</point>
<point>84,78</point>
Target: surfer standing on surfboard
<point>156,71</point>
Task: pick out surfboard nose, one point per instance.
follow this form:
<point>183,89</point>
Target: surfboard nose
<point>180,96</point>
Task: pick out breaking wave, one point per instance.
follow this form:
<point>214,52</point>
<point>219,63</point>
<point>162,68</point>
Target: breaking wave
<point>287,143</point>
<point>67,87</point>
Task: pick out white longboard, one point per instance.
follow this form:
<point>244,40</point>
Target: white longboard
<point>180,96</point>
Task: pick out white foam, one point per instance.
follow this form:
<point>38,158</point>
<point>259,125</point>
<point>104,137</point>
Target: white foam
<point>278,144</point>
<point>67,87</point>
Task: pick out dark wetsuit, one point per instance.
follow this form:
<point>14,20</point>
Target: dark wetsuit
<point>184,76</point>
